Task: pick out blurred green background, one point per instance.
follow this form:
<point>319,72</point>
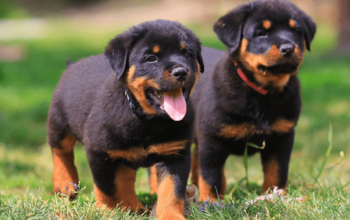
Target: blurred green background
<point>37,38</point>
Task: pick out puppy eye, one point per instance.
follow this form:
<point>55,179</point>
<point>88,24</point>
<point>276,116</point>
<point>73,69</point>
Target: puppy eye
<point>188,55</point>
<point>261,33</point>
<point>151,59</point>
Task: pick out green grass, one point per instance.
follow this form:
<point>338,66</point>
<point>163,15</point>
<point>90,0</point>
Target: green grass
<point>26,87</point>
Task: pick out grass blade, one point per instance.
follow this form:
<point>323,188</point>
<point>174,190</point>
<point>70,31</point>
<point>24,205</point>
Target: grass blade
<point>330,145</point>
<point>245,163</point>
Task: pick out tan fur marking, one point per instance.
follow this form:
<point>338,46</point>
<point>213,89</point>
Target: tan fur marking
<point>132,154</point>
<point>153,181</point>
<point>124,194</point>
<point>282,126</point>
<point>64,170</point>
<point>223,184</point>
<point>266,24</point>
<point>273,54</point>
<point>156,49</point>
<point>183,45</point>
<point>206,190</point>
<point>137,86</point>
<point>166,74</point>
<point>174,93</point>
<point>291,23</point>
<point>238,131</point>
<point>270,175</point>
<point>253,61</point>
<point>278,81</point>
<point>168,206</point>
<point>196,77</point>
<point>167,148</point>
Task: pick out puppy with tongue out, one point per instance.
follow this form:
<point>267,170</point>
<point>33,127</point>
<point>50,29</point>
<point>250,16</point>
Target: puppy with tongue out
<point>129,109</point>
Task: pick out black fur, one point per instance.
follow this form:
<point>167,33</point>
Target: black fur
<point>90,102</point>
<point>223,98</point>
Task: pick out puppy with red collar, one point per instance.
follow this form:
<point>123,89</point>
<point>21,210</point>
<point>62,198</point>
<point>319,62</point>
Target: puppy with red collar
<point>250,93</point>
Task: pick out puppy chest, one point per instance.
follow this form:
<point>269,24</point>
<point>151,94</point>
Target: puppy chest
<point>248,129</point>
<point>140,154</point>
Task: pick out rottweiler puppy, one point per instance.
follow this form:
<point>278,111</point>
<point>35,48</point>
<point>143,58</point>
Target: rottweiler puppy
<point>129,109</point>
<point>252,94</point>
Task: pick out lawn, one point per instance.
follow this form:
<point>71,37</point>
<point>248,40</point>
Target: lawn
<point>26,87</point>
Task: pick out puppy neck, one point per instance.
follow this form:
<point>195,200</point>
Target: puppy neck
<point>252,85</point>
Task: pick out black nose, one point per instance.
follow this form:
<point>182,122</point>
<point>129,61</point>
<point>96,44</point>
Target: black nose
<point>180,73</point>
<point>287,49</point>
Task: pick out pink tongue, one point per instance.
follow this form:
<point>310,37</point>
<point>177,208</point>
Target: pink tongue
<point>175,104</point>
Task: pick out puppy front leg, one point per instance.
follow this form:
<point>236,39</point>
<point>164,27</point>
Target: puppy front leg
<point>275,160</point>
<point>113,183</point>
<point>173,176</point>
<point>212,180</point>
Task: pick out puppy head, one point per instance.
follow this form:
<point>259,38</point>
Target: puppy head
<point>160,62</point>
<point>268,38</point>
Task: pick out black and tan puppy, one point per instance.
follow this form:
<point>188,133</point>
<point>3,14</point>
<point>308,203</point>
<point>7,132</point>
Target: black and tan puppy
<point>129,109</point>
<point>252,94</point>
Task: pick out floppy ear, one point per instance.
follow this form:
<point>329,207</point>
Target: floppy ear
<point>309,26</point>
<point>229,27</point>
<point>200,60</point>
<point>310,30</point>
<point>198,45</point>
<point>118,50</point>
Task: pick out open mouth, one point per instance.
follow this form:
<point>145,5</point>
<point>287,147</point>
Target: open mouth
<point>285,68</point>
<point>173,102</point>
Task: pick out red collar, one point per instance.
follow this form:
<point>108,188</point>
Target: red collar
<point>253,86</point>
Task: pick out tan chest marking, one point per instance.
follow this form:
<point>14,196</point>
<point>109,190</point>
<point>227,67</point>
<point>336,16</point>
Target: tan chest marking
<point>137,86</point>
<point>238,131</point>
<point>167,148</point>
<point>248,129</point>
<point>282,126</point>
<point>136,154</point>
<point>133,154</point>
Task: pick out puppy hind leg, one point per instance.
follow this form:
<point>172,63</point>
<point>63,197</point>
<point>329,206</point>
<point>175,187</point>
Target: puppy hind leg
<point>64,170</point>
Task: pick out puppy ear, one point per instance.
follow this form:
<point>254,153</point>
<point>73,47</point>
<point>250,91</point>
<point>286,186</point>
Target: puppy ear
<point>310,30</point>
<point>229,27</point>
<point>191,35</point>
<point>200,59</point>
<point>118,49</point>
<point>308,23</point>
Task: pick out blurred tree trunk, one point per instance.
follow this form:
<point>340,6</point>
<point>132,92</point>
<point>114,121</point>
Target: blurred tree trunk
<point>344,26</point>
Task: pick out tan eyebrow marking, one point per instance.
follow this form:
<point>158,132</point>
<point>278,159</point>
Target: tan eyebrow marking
<point>266,24</point>
<point>183,46</point>
<point>156,49</point>
<point>291,23</point>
